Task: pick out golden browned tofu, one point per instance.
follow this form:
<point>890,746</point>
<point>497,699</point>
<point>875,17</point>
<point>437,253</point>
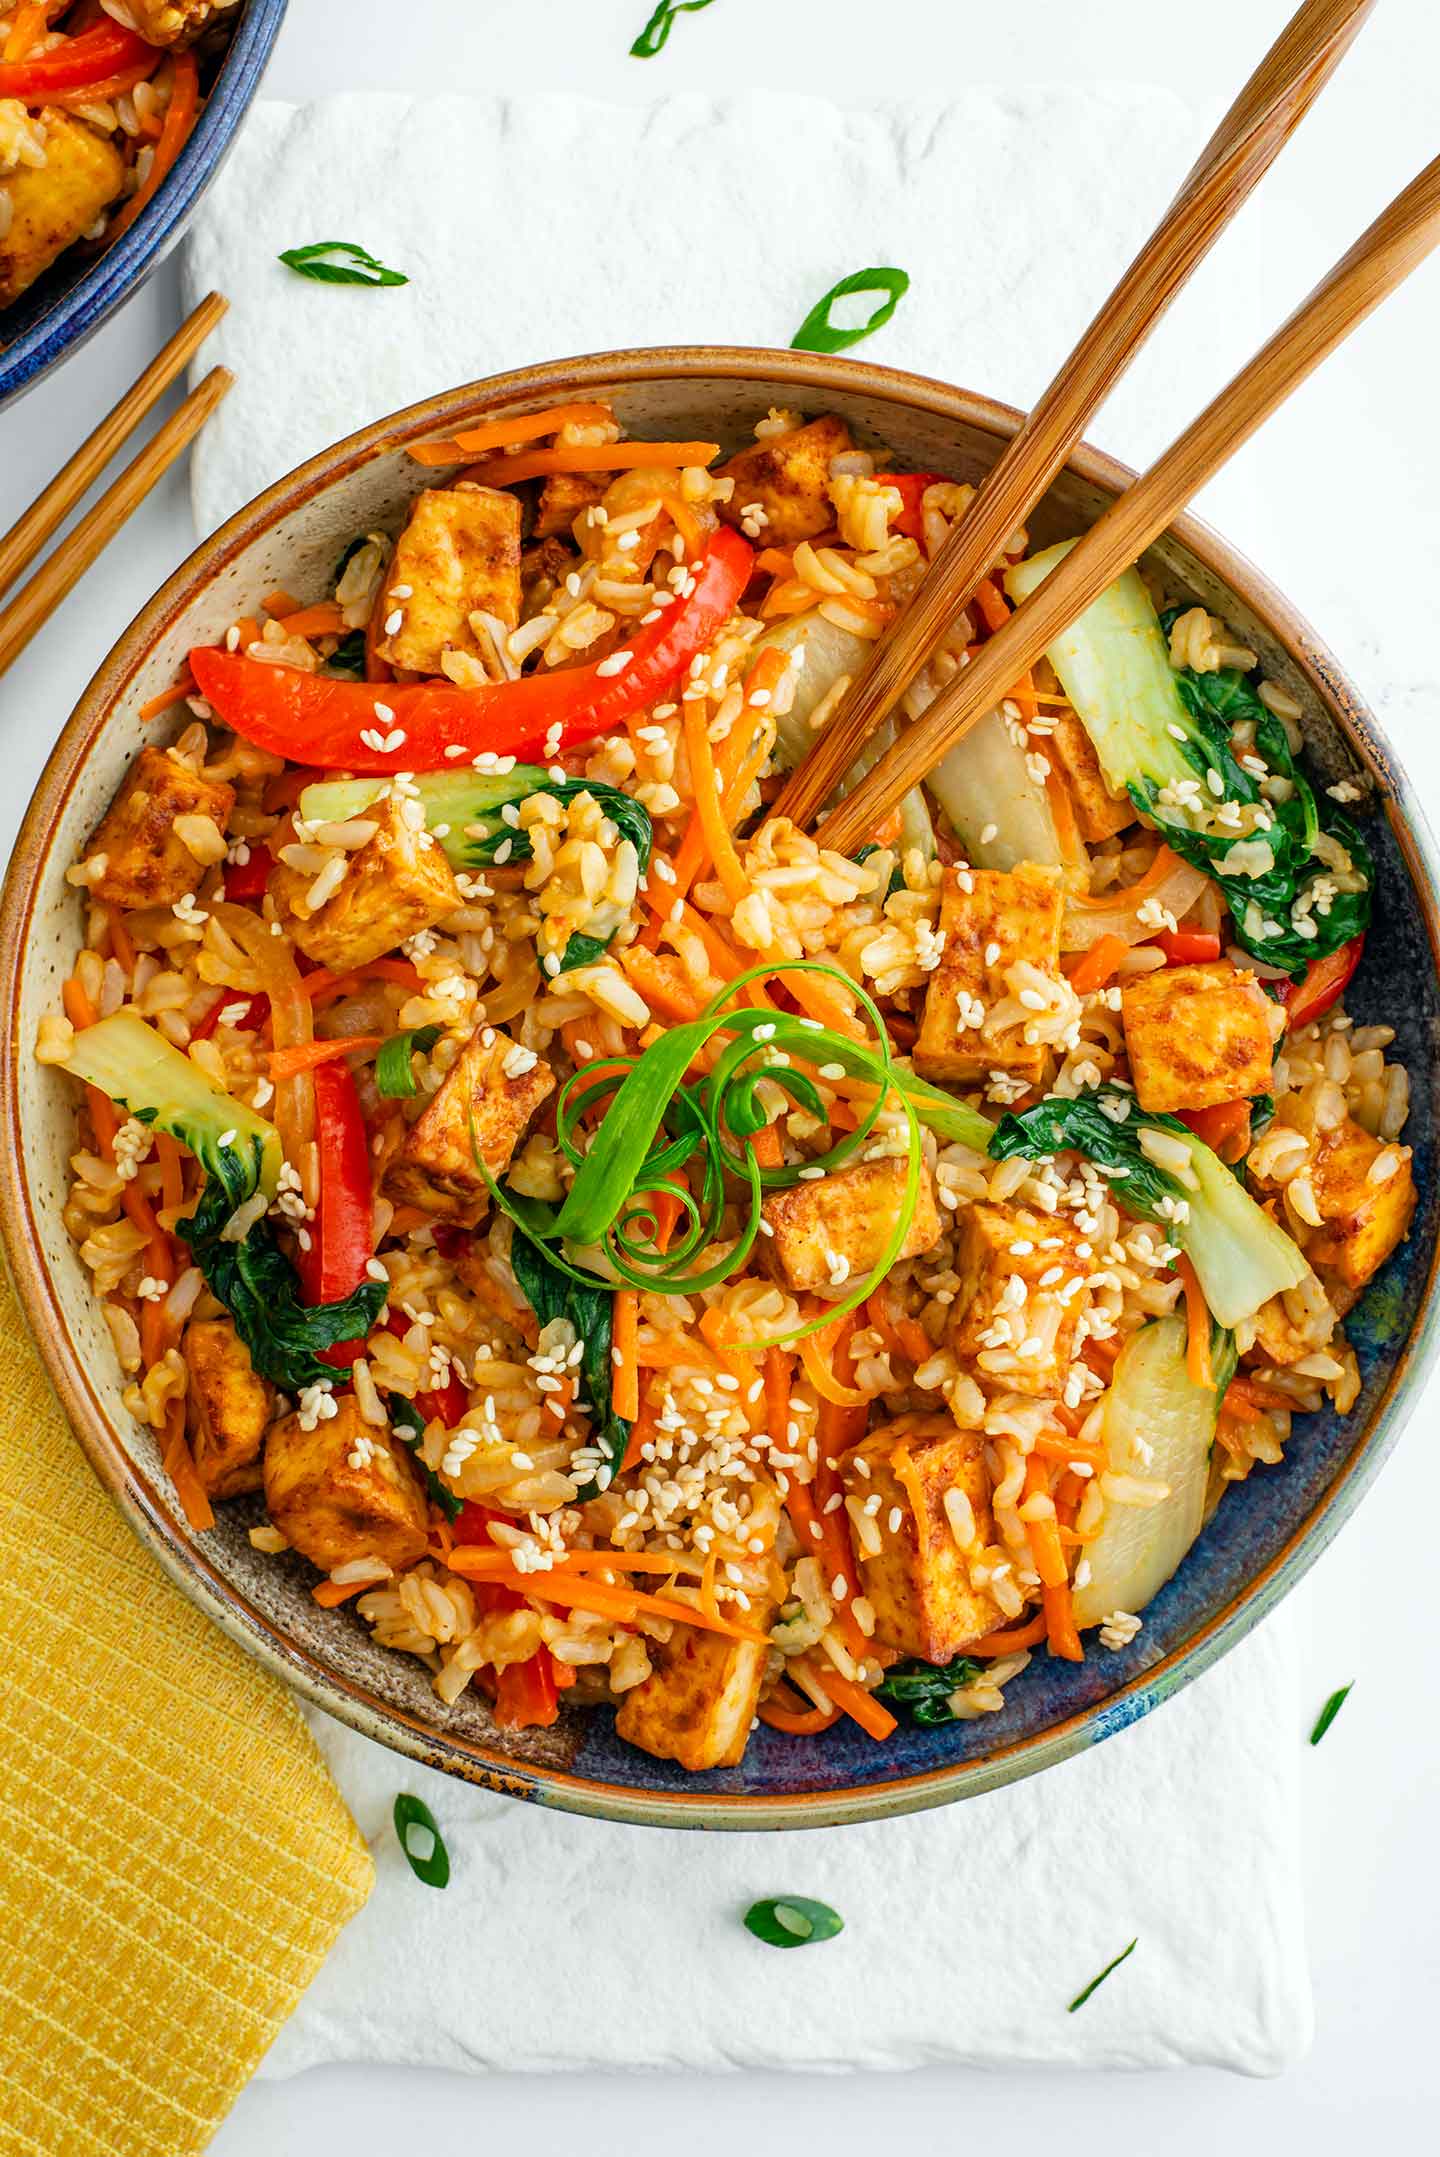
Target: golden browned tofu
<point>564,497</point>
<point>834,1230</point>
<point>1022,1289</point>
<point>147,863</point>
<point>458,555</point>
<point>1098,812</point>
<point>345,1490</point>
<point>486,1100</point>
<point>992,919</point>
<point>397,883</point>
<point>918,1581</point>
<point>1363,1220</point>
<point>789,476</point>
<point>54,204</point>
<point>175,22</point>
<point>1198,1035</point>
<point>230,1407</point>
<point>699,1701</point>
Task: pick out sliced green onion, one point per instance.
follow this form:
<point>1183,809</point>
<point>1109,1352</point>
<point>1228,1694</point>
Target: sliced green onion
<point>818,334</point>
<point>793,1921</point>
<point>339,262</point>
<point>394,1076</point>
<point>1329,1712</point>
<point>652,38</point>
<point>420,1838</point>
<point>409,1427</point>
<point>1096,1982</point>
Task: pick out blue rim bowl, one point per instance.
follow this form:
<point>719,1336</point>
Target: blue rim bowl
<point>69,303</point>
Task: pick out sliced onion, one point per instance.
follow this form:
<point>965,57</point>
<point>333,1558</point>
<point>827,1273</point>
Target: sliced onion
<point>1087,921</point>
<point>291,1026</point>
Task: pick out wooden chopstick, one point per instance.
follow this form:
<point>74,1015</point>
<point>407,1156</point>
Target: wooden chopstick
<point>1262,118</point>
<point>37,600</point>
<point>1381,259</point>
<point>21,545</point>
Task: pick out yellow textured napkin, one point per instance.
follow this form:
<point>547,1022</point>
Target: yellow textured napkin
<point>175,1861</point>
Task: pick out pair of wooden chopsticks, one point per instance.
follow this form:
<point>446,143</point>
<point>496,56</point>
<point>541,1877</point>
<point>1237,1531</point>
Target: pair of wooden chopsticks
<point>1262,118</point>
<point>36,601</point>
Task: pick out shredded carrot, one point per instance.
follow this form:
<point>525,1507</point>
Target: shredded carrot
<point>625,1378</point>
<point>663,982</point>
<point>1048,1556</point>
<point>1225,1128</point>
<point>708,803</point>
<point>27,27</point>
<point>1049,1447</point>
<point>78,1008</point>
<point>776,562</point>
<point>1058,1605</point>
<point>588,457</point>
<point>330,1593</point>
<point>508,433</point>
<point>172,1172</point>
<point>280,602</point>
<point>180,117</point>
<point>1256,1395</point>
<point>1197,1327</point>
<point>766,1147</point>
<point>180,1467</point>
<point>796,1722</point>
<point>153,707</point>
<point>627,1604</point>
<point>642,1430</point>
<point>324,619</point>
<point>1010,1639</point>
<point>1097,965</point>
<point>879,1318</point>
<point>307,1055</point>
<point>666,1351</point>
<point>822,1377</point>
<point>786,596</point>
<point>991,605</point>
<point>322,983</point>
<point>480,1559</point>
<point>686,523</point>
<point>915,1340</point>
<point>719,1331</point>
<point>121,943</point>
<point>852,1700</point>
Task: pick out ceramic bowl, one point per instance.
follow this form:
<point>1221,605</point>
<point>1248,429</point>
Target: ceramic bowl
<point>1263,1537</point>
<point>83,289</point>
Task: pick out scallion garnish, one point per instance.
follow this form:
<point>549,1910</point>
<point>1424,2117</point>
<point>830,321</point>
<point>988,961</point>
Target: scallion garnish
<point>394,1075</point>
<point>420,1839</point>
<point>1329,1712</point>
<point>339,262</point>
<point>792,1921</point>
<point>657,30</point>
<point>654,1125</point>
<point>818,334</point>
<point>1096,1982</point>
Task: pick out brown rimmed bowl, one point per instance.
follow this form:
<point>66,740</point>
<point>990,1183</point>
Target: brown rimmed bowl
<point>1263,1537</point>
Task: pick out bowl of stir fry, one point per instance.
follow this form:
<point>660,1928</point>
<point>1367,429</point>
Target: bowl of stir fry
<point>113,120</point>
<point>627,1304</point>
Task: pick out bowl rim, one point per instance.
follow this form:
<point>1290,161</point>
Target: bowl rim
<point>119,271</point>
<point>148,1509</point>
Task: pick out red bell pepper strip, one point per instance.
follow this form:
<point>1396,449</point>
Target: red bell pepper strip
<point>317,720</point>
<point>103,51</point>
<point>449,1402</point>
<point>911,520</point>
<point>1323,983</point>
<point>1224,1128</point>
<point>524,1692</point>
<point>250,1021</point>
<point>342,1235</point>
<point>1187,947</point>
<point>245,880</point>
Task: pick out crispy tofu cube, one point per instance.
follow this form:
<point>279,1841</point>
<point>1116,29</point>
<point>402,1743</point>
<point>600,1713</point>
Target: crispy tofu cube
<point>992,919</point>
<point>564,497</point>
<point>1198,1035</point>
<point>397,883</point>
<point>1364,1221</point>
<point>699,1701</point>
<point>493,1089</point>
<point>175,22</point>
<point>230,1407</point>
<point>849,1215</point>
<point>334,1511</point>
<point>1020,1338</point>
<point>54,204</point>
<point>918,1580</point>
<point>458,555</point>
<point>1098,812</point>
<point>146,861</point>
<point>789,476</point>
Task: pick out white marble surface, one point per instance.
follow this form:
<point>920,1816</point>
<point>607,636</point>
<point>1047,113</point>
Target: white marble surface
<point>1337,501</point>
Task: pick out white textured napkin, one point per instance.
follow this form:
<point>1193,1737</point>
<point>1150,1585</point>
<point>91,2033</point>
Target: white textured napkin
<point>558,225</point>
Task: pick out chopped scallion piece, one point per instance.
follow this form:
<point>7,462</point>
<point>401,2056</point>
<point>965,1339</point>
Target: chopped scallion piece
<point>652,38</point>
<point>339,262</point>
<point>393,1073</point>
<point>1096,1982</point>
<point>1329,1712</point>
<point>420,1839</point>
<point>817,333</point>
<point>793,1921</point>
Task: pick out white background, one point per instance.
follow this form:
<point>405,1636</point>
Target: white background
<point>1355,460</point>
